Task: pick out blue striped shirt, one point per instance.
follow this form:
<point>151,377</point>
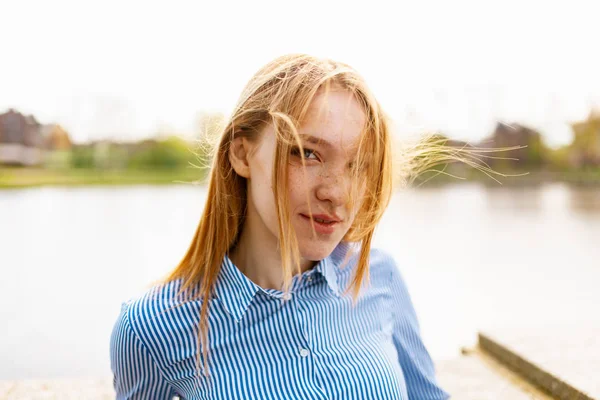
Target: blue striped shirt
<point>315,345</point>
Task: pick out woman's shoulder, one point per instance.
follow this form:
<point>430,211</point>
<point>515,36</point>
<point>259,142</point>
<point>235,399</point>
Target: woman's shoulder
<point>382,265</point>
<point>159,307</point>
<point>384,271</point>
<point>381,258</point>
<point>156,321</point>
<point>347,255</point>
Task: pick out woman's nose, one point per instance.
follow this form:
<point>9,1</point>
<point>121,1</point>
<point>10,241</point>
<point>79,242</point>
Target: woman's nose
<point>333,188</point>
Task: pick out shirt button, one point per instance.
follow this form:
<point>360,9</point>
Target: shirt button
<point>304,352</point>
<point>287,296</point>
<point>309,278</point>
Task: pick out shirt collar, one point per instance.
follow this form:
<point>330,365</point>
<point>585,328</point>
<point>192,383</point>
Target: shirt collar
<point>235,290</point>
<point>328,269</point>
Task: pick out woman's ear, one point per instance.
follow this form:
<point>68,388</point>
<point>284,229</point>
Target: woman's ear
<point>239,151</point>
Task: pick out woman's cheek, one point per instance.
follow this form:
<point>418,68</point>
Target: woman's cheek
<point>301,179</point>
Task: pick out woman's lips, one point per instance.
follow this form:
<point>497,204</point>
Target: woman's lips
<point>320,227</point>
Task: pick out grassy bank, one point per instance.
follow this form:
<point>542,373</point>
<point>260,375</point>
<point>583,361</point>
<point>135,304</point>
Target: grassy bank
<point>33,177</point>
<point>589,177</point>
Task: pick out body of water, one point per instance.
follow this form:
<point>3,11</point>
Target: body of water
<point>522,259</point>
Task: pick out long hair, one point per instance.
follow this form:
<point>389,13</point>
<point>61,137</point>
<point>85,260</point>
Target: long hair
<point>280,94</point>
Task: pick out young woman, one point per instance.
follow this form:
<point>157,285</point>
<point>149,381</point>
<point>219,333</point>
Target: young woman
<point>280,295</point>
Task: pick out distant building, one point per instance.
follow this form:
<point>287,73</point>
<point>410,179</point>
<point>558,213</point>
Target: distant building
<point>24,141</point>
<point>20,139</point>
<point>532,152</point>
<point>585,149</point>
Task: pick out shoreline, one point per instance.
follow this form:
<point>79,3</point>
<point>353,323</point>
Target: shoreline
<point>22,178</point>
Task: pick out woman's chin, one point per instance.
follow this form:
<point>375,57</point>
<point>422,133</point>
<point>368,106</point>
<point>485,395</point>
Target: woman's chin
<point>316,251</point>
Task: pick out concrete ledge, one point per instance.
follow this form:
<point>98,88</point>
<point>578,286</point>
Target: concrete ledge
<point>550,384</point>
<point>475,375</point>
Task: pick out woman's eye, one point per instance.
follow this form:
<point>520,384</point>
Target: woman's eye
<point>308,153</point>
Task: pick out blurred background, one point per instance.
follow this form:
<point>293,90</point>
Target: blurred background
<point>103,106</point>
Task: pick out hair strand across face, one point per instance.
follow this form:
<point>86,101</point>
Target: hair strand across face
<point>280,94</point>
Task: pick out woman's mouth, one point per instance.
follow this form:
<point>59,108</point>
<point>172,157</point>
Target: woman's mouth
<point>323,224</point>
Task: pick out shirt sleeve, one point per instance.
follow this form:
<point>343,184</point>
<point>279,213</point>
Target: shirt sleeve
<point>135,374</point>
<point>416,363</point>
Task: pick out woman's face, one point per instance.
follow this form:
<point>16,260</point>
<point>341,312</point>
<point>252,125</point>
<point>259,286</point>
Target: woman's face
<point>330,134</point>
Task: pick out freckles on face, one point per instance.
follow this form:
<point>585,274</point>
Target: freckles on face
<point>330,135</point>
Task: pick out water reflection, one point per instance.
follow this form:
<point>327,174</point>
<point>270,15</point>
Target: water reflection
<point>472,256</point>
<point>517,199</point>
<point>585,200</point>
<point>556,197</point>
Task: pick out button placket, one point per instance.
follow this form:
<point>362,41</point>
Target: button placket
<point>304,350</point>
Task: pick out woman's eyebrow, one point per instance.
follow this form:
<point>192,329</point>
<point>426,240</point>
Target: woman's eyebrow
<point>315,140</point>
<point>320,141</point>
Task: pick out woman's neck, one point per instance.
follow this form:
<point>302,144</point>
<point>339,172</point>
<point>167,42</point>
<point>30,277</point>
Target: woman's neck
<point>257,256</point>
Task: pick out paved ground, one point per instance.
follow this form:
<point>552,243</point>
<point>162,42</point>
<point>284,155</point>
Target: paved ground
<point>570,354</point>
<point>57,389</point>
<point>471,377</point>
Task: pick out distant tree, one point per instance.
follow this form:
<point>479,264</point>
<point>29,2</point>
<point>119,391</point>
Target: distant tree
<point>172,152</point>
<point>559,158</point>
<point>585,149</point>
<point>82,157</point>
<point>57,138</point>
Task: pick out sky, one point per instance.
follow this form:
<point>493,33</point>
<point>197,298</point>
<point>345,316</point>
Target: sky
<point>123,69</point>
